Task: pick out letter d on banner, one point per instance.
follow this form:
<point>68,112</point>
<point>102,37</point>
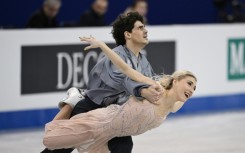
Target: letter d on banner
<point>68,59</point>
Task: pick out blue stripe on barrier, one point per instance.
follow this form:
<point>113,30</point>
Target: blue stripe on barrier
<point>214,103</point>
<point>26,118</point>
<point>38,118</point>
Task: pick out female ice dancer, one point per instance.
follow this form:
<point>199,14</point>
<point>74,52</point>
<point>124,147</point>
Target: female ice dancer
<point>90,132</point>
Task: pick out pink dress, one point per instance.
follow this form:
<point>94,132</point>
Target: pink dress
<point>90,132</point>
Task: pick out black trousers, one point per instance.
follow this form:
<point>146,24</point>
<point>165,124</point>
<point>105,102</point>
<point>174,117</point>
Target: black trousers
<point>116,145</point>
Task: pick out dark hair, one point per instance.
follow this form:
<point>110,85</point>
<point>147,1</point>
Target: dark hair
<point>124,23</point>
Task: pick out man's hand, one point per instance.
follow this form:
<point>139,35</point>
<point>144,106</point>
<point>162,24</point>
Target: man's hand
<point>152,93</point>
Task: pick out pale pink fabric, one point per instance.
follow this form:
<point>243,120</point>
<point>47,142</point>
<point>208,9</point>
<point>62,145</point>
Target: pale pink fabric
<point>90,132</point>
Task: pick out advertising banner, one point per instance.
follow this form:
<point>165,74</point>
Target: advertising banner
<point>54,68</point>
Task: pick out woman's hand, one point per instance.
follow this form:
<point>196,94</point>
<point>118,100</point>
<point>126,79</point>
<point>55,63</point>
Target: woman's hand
<point>94,43</point>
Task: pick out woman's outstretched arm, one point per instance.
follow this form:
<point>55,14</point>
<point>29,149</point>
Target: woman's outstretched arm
<point>116,59</point>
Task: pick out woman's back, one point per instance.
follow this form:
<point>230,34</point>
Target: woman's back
<point>135,117</point>
<point>132,118</point>
<point>91,131</point>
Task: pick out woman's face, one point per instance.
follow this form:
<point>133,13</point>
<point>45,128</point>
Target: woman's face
<point>184,88</point>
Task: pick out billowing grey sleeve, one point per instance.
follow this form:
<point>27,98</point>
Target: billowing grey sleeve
<point>112,77</point>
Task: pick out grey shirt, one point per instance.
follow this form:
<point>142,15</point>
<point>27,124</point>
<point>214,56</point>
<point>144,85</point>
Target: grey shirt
<point>108,85</point>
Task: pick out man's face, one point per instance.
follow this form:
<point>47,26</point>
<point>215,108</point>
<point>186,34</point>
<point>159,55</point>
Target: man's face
<point>139,34</point>
<point>142,8</point>
<point>51,11</point>
<point>100,6</point>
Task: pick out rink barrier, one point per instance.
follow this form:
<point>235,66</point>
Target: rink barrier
<point>38,118</point>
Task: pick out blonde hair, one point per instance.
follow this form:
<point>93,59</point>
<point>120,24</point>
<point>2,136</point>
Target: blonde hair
<point>166,81</point>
